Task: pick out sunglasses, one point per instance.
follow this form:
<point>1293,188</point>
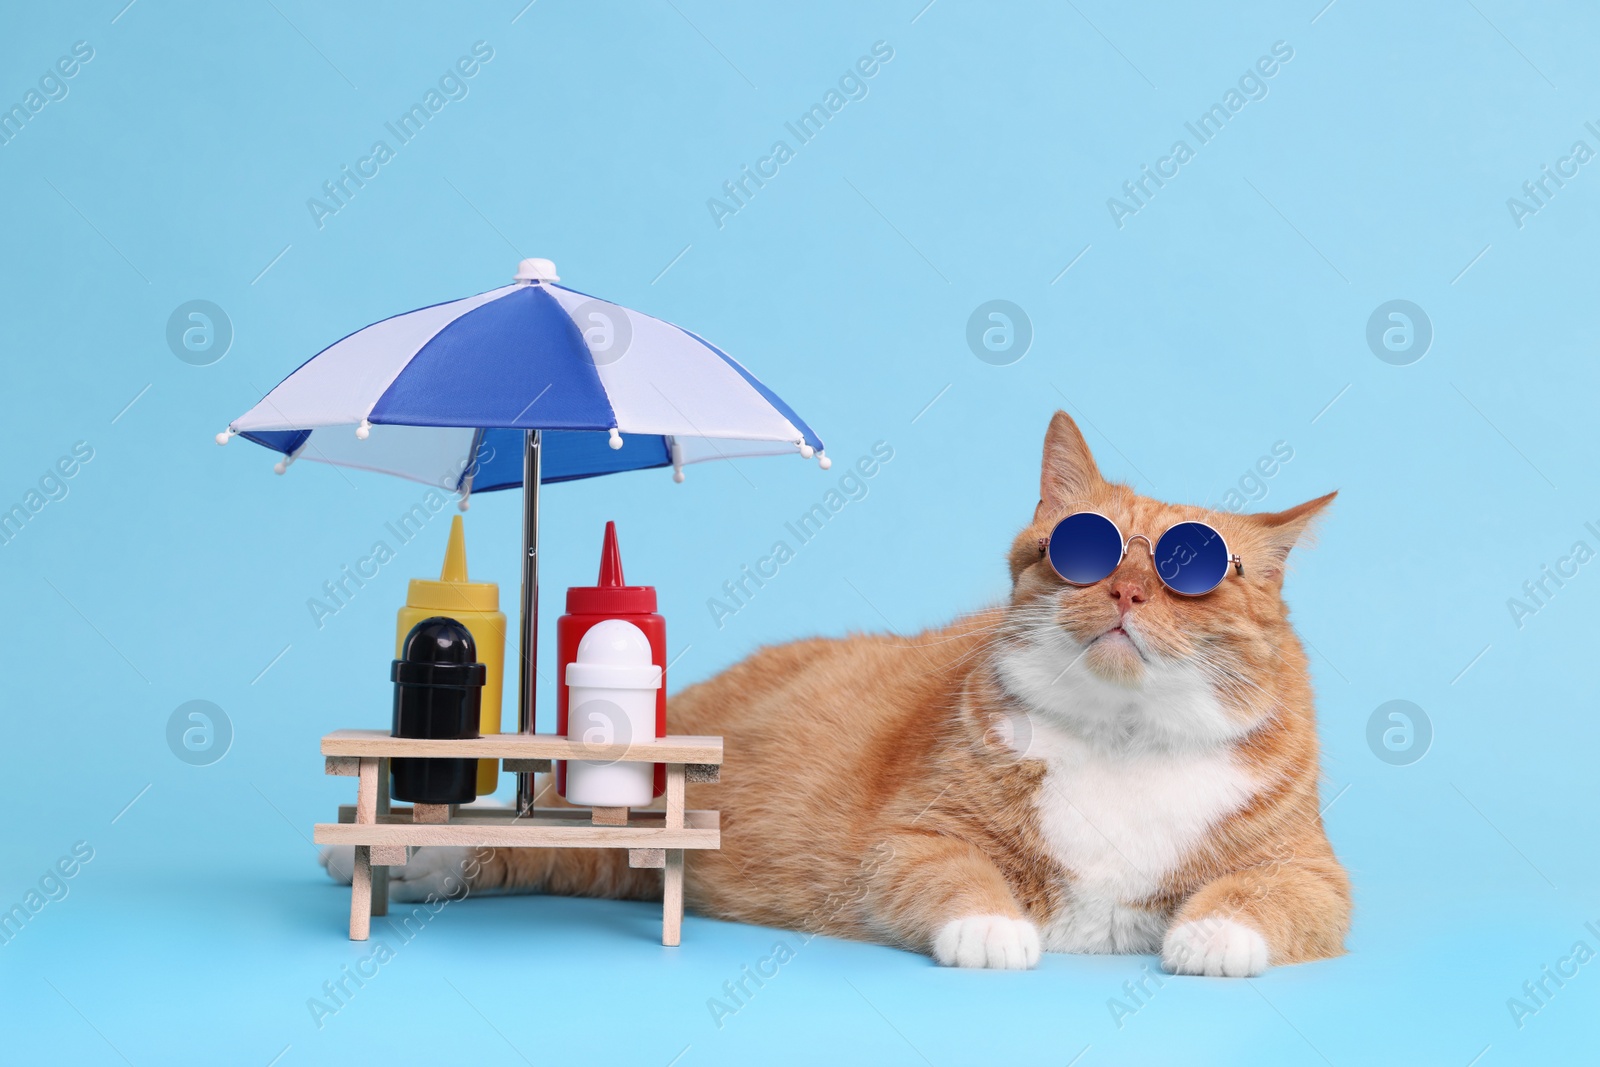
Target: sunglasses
<point>1191,558</point>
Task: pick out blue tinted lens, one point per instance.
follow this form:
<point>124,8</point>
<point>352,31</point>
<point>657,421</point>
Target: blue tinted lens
<point>1191,558</point>
<point>1085,547</point>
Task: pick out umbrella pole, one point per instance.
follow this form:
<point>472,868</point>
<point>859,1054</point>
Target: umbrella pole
<point>528,677</point>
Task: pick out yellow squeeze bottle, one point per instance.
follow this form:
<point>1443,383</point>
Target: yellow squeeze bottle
<point>476,605</point>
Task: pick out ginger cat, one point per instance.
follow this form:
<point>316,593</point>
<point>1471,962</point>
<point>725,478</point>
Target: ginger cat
<point>1107,768</point>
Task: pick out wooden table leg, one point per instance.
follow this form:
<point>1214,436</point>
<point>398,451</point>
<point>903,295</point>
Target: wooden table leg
<point>672,888</point>
<point>361,894</point>
<point>361,875</point>
<point>672,899</point>
<point>675,778</point>
<point>367,792</point>
<point>380,873</point>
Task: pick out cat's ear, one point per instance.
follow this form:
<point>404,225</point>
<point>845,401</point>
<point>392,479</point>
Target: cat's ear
<point>1281,531</point>
<point>1069,473</point>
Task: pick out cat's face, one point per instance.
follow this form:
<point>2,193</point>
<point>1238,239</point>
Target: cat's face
<point>1131,630</point>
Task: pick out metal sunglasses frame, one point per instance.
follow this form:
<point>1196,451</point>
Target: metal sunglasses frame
<point>1044,552</point>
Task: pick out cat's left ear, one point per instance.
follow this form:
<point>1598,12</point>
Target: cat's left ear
<point>1280,531</point>
<point>1068,474</point>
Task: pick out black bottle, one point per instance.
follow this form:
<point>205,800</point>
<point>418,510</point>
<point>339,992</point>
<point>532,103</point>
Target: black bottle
<point>438,693</point>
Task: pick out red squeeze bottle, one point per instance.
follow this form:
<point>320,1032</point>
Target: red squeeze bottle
<point>609,598</point>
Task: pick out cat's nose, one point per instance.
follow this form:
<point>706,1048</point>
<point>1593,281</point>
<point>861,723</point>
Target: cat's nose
<point>1127,592</point>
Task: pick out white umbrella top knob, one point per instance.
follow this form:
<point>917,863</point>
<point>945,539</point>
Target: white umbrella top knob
<point>536,270</point>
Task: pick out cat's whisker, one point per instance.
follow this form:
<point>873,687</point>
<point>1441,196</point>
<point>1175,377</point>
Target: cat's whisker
<point>1002,631</point>
<point>1013,639</point>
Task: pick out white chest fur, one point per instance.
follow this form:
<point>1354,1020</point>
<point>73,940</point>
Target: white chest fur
<point>1135,781</point>
<point>1120,823</point>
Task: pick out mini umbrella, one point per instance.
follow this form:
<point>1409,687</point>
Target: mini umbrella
<point>522,385</point>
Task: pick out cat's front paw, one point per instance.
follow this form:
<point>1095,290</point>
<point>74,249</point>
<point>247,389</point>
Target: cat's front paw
<point>339,861</point>
<point>1214,946</point>
<point>996,941</point>
<point>438,870</point>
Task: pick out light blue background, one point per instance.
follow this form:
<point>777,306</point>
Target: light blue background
<point>1224,317</point>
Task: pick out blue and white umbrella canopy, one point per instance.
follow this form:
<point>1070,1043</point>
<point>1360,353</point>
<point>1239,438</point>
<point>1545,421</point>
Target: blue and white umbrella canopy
<point>421,394</point>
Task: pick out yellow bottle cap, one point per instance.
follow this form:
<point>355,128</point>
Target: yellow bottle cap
<point>452,592</point>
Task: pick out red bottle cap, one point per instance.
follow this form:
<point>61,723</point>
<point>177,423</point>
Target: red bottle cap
<point>610,595</point>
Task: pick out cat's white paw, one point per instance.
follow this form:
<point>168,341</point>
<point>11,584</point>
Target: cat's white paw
<point>436,870</point>
<point>339,861</point>
<point>1214,946</point>
<point>996,941</point>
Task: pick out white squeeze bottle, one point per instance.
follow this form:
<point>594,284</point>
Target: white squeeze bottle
<point>611,700</point>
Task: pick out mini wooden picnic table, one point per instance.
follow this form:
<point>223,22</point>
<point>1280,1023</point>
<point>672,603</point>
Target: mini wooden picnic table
<point>383,834</point>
